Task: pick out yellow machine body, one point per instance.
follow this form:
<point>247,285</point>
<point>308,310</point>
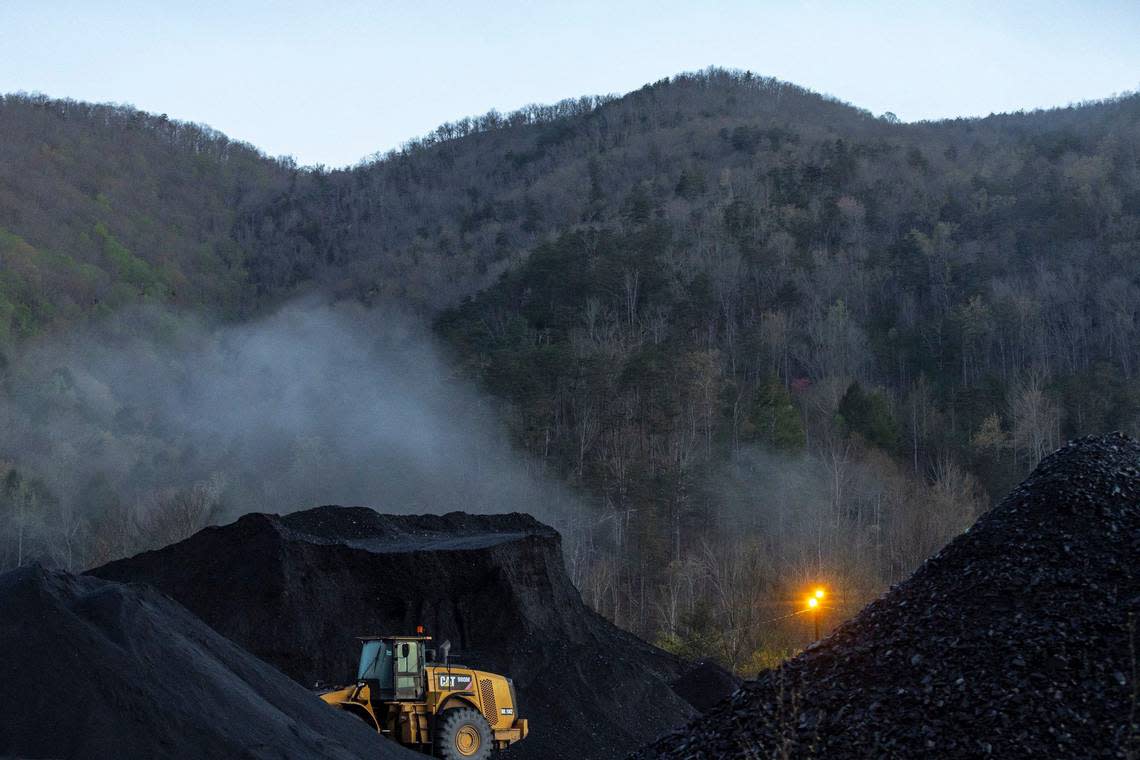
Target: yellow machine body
<point>407,712</point>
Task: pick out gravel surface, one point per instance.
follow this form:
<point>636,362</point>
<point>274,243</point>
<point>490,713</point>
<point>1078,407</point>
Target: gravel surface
<point>1017,640</point>
<point>295,590</point>
<point>93,669</point>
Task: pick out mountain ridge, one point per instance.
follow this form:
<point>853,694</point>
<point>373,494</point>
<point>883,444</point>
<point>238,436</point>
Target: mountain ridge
<point>136,255</point>
<point>749,326</point>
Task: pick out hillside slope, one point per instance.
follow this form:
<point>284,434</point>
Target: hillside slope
<point>103,206</point>
<point>94,669</point>
<point>443,217</point>
<point>296,590</point>
<point>767,335</point>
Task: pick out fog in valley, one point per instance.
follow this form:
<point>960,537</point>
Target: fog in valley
<point>136,431</point>
<point>144,427</point>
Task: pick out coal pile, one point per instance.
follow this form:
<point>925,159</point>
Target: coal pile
<point>95,669</point>
<point>1016,640</point>
<point>704,684</point>
<point>295,590</point>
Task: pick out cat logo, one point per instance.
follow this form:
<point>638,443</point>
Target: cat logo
<point>454,682</point>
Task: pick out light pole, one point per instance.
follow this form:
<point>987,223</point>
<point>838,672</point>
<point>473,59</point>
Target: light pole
<point>815,608</point>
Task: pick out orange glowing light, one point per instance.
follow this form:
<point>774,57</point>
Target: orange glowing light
<point>819,593</point>
<point>812,602</point>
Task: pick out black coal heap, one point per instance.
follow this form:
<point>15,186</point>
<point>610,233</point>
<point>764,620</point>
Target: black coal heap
<point>1017,640</point>
<point>94,669</point>
<point>296,590</point>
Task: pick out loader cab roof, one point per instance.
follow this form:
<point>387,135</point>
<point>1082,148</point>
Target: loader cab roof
<point>418,637</point>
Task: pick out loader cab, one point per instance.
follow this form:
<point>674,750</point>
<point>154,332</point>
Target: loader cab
<point>393,666</point>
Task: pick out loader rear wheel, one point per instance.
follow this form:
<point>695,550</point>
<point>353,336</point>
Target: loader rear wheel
<point>463,734</point>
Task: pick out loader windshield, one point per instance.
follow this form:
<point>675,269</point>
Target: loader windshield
<point>376,663</point>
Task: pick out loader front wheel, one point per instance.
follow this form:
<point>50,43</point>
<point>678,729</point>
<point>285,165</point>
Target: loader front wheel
<point>463,734</point>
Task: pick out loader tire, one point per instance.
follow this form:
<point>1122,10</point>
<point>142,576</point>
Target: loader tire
<point>463,734</point>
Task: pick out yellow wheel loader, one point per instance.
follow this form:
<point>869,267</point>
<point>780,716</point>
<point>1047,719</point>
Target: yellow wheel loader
<point>447,710</point>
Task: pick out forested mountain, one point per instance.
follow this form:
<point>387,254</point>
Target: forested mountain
<point>104,206</point>
<point>767,337</point>
<point>448,213</point>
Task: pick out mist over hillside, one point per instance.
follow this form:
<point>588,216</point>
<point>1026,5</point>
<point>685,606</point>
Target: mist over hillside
<point>140,429</point>
<point>761,335</point>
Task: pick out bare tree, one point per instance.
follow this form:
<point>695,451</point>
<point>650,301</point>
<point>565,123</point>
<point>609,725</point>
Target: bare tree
<point>168,516</point>
<point>1036,419</point>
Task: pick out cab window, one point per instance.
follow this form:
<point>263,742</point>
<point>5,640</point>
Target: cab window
<point>409,670</point>
<point>376,663</point>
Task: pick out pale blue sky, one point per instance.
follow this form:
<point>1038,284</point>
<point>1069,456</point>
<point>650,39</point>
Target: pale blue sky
<point>330,82</point>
